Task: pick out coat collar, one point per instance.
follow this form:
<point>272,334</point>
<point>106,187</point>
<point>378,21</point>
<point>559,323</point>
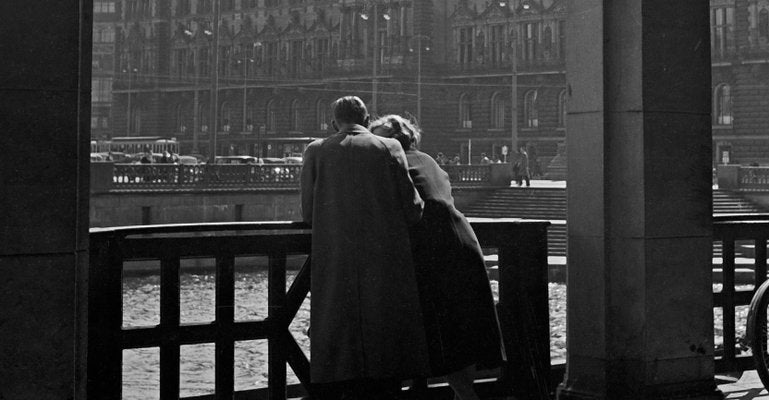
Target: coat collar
<point>354,129</point>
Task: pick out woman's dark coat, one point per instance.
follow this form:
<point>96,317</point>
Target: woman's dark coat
<point>457,303</point>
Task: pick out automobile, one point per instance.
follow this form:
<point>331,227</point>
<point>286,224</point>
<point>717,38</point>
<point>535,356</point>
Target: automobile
<point>188,160</point>
<point>273,160</point>
<point>96,157</point>
<point>237,160</point>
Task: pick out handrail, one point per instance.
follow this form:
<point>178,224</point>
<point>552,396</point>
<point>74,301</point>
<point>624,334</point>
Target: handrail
<point>522,308</point>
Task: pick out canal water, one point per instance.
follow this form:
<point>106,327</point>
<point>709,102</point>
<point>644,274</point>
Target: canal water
<point>141,307</point>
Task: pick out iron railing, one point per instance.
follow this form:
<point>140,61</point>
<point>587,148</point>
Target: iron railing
<point>108,176</point>
<point>522,307</point>
<point>743,240</point>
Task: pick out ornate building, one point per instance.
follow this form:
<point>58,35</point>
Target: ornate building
<point>281,62</point>
<point>740,54</point>
<point>105,17</point>
<point>453,64</point>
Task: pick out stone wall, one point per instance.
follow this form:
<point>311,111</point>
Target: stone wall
<point>137,208</point>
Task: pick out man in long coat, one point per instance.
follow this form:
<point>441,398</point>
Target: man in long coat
<point>366,323</point>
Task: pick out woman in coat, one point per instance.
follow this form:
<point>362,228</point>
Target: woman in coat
<point>457,303</point>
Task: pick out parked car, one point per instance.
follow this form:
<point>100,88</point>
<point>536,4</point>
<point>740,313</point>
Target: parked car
<point>188,160</point>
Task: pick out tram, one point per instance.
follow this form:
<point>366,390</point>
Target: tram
<point>140,144</point>
<point>289,148</point>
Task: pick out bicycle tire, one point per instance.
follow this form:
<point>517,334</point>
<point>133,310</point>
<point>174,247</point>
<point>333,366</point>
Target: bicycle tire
<point>757,331</point>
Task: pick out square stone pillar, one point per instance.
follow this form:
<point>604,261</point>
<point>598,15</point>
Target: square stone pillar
<point>640,312</point>
<point>44,136</point>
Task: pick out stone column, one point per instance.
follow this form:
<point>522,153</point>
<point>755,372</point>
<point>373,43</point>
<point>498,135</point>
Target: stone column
<point>44,108</point>
<point>640,316</point>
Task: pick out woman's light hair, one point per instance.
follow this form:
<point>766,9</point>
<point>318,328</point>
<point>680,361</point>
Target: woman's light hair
<point>396,127</point>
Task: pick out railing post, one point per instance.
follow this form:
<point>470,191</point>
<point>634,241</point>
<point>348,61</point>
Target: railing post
<point>105,318</point>
<point>727,291</point>
<point>169,325</point>
<point>276,349</point>
<point>523,309</point>
<point>225,315</point>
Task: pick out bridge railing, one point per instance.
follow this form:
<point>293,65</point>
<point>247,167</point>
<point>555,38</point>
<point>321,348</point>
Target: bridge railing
<point>738,232</point>
<point>742,177</point>
<point>162,176</point>
<point>523,305</point>
<point>108,176</point>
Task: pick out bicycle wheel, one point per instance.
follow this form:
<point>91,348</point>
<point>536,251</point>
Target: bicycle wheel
<point>757,331</point>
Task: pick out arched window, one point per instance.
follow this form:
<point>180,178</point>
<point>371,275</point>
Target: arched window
<point>270,116</point>
<point>562,109</point>
<point>250,117</point>
<point>497,111</point>
<point>180,118</point>
<point>182,7</point>
<point>294,115</point>
<point>225,117</point>
<point>722,105</point>
<point>763,24</point>
<point>321,115</point>
<point>465,111</point>
<point>530,112</point>
<point>547,40</point>
<point>135,120</point>
<point>203,116</point>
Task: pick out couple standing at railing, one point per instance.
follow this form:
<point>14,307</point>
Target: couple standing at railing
<point>399,288</point>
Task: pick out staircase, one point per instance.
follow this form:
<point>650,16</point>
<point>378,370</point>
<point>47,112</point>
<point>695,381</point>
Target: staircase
<point>550,204</point>
<point>529,203</point>
<point>728,202</point>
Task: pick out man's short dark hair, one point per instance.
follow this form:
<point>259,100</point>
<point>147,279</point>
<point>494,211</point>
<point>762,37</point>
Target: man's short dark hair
<point>350,110</point>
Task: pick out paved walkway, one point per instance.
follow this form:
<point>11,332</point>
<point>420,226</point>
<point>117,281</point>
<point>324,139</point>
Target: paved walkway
<point>745,387</point>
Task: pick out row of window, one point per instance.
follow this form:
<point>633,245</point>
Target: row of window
<point>101,90</point>
<point>230,117</point>
<point>722,108</point>
<point>493,43</point>
<point>104,7</point>
<point>184,7</point>
<point>103,34</point>
<point>499,105</point>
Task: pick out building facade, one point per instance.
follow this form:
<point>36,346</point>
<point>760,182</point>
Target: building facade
<point>480,76</point>
<point>105,18</point>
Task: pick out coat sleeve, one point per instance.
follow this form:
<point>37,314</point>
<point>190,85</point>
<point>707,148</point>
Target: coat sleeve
<point>411,202</point>
<point>307,182</point>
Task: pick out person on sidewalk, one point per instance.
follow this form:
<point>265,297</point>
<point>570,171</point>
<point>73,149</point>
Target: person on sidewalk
<point>521,168</point>
<point>367,330</point>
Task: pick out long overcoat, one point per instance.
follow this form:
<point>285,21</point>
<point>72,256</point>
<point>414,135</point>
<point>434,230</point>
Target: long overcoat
<point>366,318</point>
<point>458,306</point>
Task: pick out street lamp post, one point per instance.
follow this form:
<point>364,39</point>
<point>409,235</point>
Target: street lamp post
<point>195,100</point>
<point>130,71</point>
<point>246,60</point>
<point>375,47</point>
<point>419,71</point>
<point>214,81</point>
<point>514,79</point>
